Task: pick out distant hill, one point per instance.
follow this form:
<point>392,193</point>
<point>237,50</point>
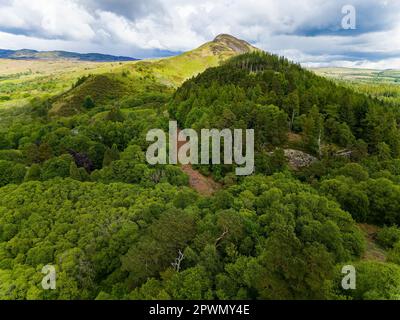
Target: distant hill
<point>145,75</point>
<point>173,71</point>
<point>26,54</point>
<point>221,48</point>
<point>225,43</point>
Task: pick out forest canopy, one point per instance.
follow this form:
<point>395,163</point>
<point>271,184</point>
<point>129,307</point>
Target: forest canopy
<point>77,193</point>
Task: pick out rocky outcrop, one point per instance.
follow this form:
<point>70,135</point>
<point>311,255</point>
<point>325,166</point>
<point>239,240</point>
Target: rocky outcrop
<point>298,159</point>
<point>224,41</point>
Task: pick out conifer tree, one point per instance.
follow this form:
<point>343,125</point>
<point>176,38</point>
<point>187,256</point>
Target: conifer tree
<point>110,155</point>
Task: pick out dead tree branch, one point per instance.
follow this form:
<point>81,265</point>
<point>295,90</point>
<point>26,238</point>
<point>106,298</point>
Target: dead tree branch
<point>177,264</point>
<point>223,235</point>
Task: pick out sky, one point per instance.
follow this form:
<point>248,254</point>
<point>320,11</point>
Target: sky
<point>307,31</point>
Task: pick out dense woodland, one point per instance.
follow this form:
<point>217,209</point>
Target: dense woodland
<point>76,192</point>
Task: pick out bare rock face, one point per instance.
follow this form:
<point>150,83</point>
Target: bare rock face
<point>234,44</point>
<point>299,159</point>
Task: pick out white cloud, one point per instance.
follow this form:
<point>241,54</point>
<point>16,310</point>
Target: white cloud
<point>47,19</point>
<point>306,31</point>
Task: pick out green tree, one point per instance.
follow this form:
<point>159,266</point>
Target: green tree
<point>89,103</point>
<point>115,115</point>
<point>292,107</point>
<point>57,167</point>
<point>110,155</point>
<point>74,172</point>
<point>313,129</point>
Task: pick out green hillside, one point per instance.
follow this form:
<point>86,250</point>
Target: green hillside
<point>323,112</point>
<point>77,193</point>
<point>20,79</point>
<point>131,80</point>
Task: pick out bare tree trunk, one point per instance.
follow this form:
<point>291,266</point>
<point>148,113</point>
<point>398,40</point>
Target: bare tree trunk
<point>319,142</point>
<point>177,264</point>
<point>223,235</point>
<point>292,120</point>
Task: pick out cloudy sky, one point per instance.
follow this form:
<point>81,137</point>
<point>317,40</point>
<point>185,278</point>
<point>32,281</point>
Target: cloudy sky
<point>307,31</point>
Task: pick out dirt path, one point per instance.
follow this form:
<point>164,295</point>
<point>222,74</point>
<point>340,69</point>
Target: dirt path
<point>372,252</point>
<point>202,184</point>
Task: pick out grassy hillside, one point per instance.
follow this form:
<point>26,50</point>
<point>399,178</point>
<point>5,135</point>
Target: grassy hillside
<point>130,81</point>
<point>174,71</point>
<point>21,80</point>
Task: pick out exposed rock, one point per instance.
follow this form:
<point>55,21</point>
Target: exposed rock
<point>299,159</point>
<point>227,41</point>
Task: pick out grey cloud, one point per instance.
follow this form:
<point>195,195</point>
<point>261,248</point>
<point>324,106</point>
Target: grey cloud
<point>130,9</point>
<point>147,28</point>
<point>372,16</point>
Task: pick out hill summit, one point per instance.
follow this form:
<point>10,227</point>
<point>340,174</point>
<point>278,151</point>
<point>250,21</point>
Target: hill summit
<point>224,41</point>
<point>212,53</point>
<point>168,72</point>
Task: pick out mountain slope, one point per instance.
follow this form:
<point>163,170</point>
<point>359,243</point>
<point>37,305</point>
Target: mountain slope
<point>26,54</point>
<point>133,79</point>
<point>174,71</point>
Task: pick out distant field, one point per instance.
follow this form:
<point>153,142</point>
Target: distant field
<point>21,80</point>
<point>382,84</point>
<point>361,75</point>
<point>10,69</point>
